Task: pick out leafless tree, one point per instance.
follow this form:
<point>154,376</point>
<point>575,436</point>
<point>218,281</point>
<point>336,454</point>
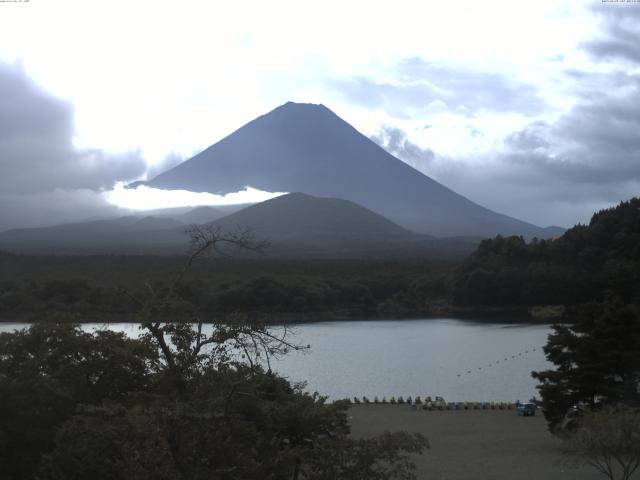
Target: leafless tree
<point>609,440</point>
<point>185,347</point>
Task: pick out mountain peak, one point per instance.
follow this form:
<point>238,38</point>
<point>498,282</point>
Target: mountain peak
<point>302,105</point>
<point>305,147</point>
<point>299,114</point>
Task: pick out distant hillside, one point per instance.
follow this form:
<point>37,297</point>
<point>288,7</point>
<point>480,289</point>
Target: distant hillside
<point>300,215</point>
<point>201,215</point>
<point>296,225</point>
<point>159,232</point>
<point>587,263</point>
<point>125,234</point>
<point>307,148</point>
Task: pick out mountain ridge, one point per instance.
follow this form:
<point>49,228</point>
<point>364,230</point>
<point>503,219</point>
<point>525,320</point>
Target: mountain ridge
<point>310,214</point>
<point>308,148</point>
<point>297,225</point>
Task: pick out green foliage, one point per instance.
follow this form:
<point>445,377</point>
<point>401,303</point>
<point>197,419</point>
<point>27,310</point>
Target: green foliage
<point>48,370</point>
<point>587,263</point>
<point>177,403</point>
<point>597,361</point>
<point>31,411</point>
<point>90,287</point>
<point>90,367</point>
<point>76,405</point>
<point>382,458</point>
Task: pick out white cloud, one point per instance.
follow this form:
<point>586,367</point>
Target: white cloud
<point>171,78</point>
<point>37,152</point>
<point>179,75</point>
<point>147,198</point>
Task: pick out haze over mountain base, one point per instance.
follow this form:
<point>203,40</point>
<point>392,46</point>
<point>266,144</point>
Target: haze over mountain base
<point>294,225</point>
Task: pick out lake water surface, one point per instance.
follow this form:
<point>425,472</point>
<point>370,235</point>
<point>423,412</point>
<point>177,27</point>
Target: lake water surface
<point>459,360</point>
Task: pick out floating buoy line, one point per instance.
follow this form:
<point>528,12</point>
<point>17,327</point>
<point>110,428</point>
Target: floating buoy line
<point>508,358</point>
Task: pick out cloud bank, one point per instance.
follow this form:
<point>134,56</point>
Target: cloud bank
<point>148,198</point>
<point>45,179</point>
<point>395,141</point>
<point>528,109</point>
<point>421,87</point>
<point>621,29</point>
<point>36,143</point>
<point>544,168</point>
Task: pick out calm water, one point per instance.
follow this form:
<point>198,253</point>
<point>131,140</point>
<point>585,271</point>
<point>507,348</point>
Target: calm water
<point>459,360</point>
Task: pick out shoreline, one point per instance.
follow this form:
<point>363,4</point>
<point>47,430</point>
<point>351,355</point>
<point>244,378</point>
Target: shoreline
<point>496,315</point>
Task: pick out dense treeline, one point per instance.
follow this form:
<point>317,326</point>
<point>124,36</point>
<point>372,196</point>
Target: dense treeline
<point>78,405</point>
<point>597,363</point>
<point>180,402</point>
<point>587,263</point>
<point>94,287</point>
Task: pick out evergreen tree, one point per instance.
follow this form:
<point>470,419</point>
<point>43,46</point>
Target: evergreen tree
<point>587,263</point>
<point>597,362</point>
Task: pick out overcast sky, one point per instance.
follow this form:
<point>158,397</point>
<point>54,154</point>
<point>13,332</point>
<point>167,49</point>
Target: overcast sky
<point>529,108</point>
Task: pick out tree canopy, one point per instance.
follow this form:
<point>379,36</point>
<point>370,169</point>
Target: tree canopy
<point>179,402</point>
<point>597,360</point>
<point>587,263</point>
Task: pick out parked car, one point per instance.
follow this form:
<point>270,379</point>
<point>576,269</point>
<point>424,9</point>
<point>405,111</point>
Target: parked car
<point>526,409</point>
<point>572,418</point>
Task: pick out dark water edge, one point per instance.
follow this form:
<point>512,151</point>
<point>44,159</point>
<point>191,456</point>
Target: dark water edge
<point>480,314</point>
<point>461,360</point>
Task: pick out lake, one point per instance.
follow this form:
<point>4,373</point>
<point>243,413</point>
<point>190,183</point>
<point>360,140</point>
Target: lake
<point>459,360</point>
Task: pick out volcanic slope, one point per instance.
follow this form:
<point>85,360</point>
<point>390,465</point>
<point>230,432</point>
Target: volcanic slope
<point>307,148</point>
<point>298,224</point>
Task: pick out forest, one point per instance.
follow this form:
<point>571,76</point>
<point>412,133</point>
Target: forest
<point>176,403</point>
<point>92,287</point>
<point>588,263</point>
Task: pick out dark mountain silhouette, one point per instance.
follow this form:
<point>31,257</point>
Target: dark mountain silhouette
<point>131,234</point>
<point>301,215</point>
<point>296,225</point>
<point>307,148</point>
<point>200,215</point>
<point>301,225</point>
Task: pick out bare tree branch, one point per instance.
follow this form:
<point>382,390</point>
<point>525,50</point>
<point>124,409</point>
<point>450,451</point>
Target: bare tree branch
<point>184,346</point>
<point>609,440</point>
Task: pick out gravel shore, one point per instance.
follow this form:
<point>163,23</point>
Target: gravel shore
<point>474,444</point>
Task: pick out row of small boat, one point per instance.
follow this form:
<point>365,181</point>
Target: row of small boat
<point>438,403</point>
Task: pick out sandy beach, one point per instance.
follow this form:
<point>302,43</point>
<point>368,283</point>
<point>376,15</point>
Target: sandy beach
<point>474,444</point>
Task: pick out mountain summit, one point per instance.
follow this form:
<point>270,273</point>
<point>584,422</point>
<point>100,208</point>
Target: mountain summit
<point>308,148</point>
